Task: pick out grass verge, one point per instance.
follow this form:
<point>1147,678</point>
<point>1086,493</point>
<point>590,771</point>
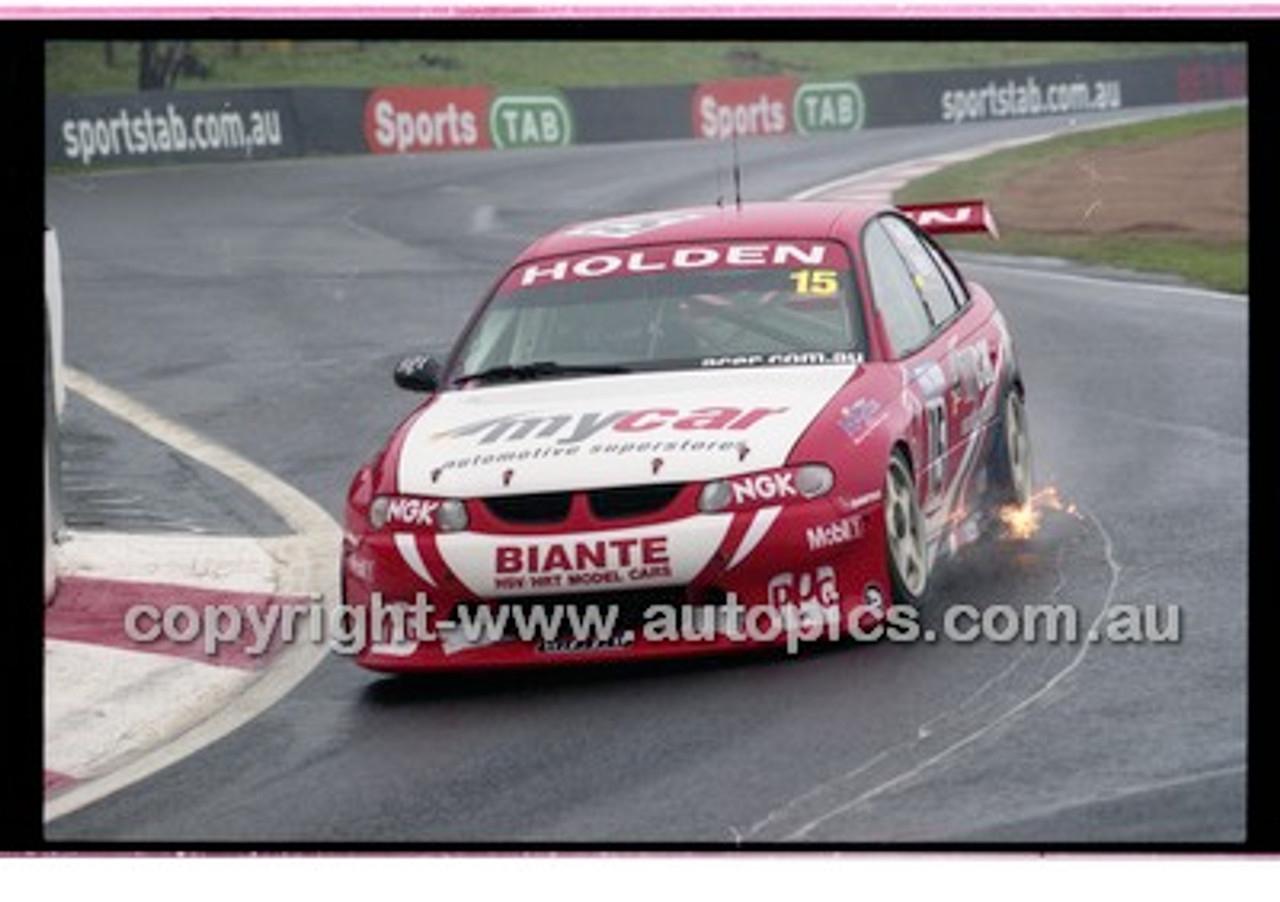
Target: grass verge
<point>92,67</point>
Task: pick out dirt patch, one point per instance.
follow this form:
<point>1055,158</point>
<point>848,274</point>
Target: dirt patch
<point>1195,187</point>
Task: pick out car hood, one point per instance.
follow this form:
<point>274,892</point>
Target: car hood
<point>634,429</point>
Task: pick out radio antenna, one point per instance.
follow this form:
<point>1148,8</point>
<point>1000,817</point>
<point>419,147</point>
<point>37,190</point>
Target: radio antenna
<point>737,174</point>
<point>719,181</point>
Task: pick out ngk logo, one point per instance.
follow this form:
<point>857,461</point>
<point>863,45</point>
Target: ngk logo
<point>763,487</point>
<point>412,511</point>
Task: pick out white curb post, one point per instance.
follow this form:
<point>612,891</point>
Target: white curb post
<point>55,392</point>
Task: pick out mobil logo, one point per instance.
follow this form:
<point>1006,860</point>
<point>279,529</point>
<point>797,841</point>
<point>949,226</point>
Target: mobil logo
<point>408,119</point>
<point>834,106</point>
<point>744,107</point>
<point>530,120</point>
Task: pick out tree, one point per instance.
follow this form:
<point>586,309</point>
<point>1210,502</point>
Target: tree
<point>160,63</point>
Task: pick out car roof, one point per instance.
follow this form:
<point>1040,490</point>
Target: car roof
<point>770,220</point>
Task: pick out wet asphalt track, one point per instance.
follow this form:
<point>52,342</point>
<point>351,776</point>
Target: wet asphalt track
<point>264,306</point>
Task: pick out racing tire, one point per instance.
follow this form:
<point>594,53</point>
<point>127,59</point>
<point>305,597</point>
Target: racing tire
<point>1011,462</point>
<point>904,530</point>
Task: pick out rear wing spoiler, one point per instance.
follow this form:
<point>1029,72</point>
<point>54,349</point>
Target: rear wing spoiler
<point>952,217</point>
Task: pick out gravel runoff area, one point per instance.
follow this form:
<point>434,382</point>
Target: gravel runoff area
<point>1193,187</point>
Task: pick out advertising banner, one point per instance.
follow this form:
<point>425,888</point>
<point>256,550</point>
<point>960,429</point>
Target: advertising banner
<point>171,127</point>
<point>979,95</point>
<point>411,119</point>
<point>746,107</point>
<point>201,126</point>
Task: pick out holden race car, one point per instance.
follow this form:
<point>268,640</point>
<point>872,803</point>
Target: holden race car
<point>687,423</point>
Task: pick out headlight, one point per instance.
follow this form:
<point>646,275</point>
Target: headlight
<point>814,480</point>
<point>408,511</point>
<point>767,488</point>
<point>714,497</point>
<point>452,516</point>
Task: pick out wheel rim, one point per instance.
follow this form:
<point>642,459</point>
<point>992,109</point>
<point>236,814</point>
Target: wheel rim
<point>905,529</point>
<point>1018,445</point>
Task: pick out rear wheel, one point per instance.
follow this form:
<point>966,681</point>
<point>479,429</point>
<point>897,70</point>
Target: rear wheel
<point>904,533</point>
<point>1013,454</point>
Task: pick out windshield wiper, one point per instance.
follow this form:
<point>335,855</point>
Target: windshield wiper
<point>537,370</point>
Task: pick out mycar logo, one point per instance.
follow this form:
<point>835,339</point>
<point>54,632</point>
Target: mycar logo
<point>408,119</point>
<point>836,106</point>
<point>745,107</point>
<point>575,428</point>
<point>530,120</point>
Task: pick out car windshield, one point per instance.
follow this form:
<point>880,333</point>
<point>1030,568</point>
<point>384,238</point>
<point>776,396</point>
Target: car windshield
<point>668,307</point>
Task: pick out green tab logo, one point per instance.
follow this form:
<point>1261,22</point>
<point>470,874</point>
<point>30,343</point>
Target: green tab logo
<point>530,120</point>
<point>836,106</point>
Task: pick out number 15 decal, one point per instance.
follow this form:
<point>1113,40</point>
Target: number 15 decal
<point>935,413</point>
<point>817,282</point>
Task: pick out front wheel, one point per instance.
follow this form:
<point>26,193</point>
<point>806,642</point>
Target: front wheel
<point>904,533</point>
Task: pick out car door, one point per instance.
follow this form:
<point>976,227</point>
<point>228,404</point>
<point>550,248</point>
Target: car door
<point>971,343</point>
<point>967,347</point>
<point>921,303</point>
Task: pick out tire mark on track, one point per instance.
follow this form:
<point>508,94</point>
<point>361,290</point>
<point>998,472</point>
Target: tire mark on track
<point>799,817</point>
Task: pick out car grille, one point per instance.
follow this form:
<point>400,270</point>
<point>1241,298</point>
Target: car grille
<point>632,501</point>
<point>548,508</point>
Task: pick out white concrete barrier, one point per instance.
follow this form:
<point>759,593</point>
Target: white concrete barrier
<point>55,400</point>
<point>53,310</point>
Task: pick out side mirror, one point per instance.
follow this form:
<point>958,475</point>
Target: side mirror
<point>420,373</point>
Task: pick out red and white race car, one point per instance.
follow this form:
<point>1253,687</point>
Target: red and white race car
<point>686,431</point>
